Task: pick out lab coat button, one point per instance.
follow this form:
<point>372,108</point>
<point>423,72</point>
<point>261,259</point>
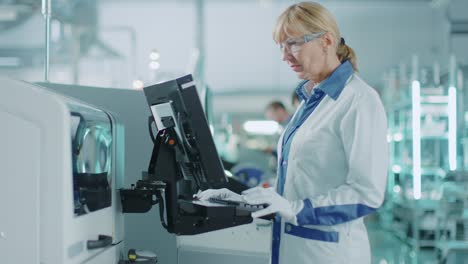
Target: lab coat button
<point>285,162</point>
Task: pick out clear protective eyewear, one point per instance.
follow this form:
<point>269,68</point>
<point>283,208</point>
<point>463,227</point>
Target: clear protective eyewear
<point>293,45</point>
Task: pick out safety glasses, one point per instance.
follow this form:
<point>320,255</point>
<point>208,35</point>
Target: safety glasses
<point>293,45</point>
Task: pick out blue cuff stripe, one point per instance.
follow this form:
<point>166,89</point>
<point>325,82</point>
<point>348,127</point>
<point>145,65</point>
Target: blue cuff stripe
<point>331,215</point>
<point>310,233</point>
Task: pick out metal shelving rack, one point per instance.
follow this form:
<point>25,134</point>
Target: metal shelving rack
<point>423,145</point>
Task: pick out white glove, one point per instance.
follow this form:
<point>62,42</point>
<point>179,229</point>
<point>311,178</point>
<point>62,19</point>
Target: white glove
<point>224,194</point>
<point>278,204</point>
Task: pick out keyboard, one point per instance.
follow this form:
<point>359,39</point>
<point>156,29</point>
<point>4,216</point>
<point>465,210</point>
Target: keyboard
<point>240,205</point>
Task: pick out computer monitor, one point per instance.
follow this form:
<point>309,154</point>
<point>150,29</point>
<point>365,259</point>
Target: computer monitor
<point>184,160</point>
<point>176,105</point>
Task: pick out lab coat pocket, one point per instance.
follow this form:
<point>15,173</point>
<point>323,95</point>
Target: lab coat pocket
<point>310,233</point>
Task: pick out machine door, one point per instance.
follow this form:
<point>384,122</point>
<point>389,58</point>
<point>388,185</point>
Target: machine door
<point>91,137</point>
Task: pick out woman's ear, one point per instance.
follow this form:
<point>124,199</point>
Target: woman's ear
<point>328,40</point>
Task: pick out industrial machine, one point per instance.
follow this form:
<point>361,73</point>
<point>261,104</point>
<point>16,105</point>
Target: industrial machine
<point>184,160</point>
<point>61,166</point>
<point>64,168</point>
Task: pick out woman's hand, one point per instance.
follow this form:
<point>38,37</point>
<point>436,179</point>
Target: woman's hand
<point>224,194</point>
<point>278,204</point>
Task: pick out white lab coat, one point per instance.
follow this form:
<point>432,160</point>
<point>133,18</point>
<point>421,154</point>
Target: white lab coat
<point>337,157</point>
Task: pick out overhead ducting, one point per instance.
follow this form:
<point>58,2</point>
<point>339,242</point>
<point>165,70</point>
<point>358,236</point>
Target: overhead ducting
<point>15,12</point>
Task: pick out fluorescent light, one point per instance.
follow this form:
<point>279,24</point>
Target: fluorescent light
<point>8,14</point>
<point>389,138</point>
<point>452,127</point>
<point>398,137</point>
<point>154,65</point>
<point>55,30</point>
<point>416,125</point>
<point>261,127</point>
<point>9,62</point>
<point>138,84</point>
<point>396,168</point>
<point>154,55</point>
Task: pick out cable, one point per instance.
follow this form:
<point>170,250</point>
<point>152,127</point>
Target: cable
<point>115,244</point>
<point>150,122</point>
<point>161,208</point>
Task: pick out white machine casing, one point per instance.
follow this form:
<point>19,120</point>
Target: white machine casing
<point>37,219</point>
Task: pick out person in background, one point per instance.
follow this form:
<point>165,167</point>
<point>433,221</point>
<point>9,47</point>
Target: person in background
<point>276,111</point>
<point>332,158</point>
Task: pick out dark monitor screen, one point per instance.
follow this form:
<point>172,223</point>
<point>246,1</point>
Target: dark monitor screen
<point>176,104</point>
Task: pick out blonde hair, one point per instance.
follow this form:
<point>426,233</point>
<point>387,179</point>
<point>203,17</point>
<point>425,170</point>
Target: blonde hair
<point>310,17</point>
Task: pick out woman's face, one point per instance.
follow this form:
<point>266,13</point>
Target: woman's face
<point>307,60</point>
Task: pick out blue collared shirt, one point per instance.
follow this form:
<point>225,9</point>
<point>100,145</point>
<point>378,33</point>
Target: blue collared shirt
<point>331,86</point>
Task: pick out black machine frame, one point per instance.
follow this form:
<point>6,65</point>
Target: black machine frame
<point>183,161</point>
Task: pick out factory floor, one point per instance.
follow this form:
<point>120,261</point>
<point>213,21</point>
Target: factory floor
<point>388,249</point>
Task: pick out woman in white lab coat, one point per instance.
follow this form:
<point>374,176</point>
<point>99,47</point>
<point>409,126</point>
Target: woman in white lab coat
<point>332,157</point>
